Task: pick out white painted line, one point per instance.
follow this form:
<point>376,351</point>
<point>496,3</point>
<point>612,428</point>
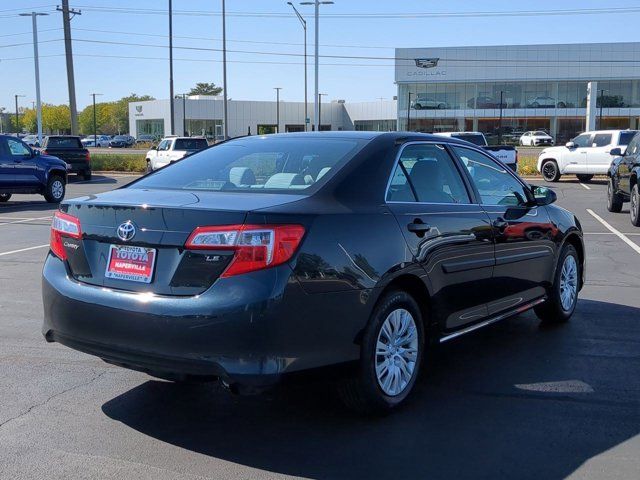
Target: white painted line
<point>585,186</point>
<point>25,220</point>
<point>622,236</point>
<point>611,233</point>
<point>2,254</point>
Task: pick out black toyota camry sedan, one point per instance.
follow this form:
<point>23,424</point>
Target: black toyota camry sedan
<point>268,255</point>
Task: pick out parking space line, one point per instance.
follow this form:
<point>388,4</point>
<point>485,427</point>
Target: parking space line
<point>622,236</point>
<point>2,254</point>
<point>611,233</point>
<point>585,186</point>
<point>25,220</point>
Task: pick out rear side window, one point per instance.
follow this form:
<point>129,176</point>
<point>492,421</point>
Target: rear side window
<point>625,137</point>
<point>583,140</point>
<point>257,164</point>
<point>475,139</point>
<point>601,139</point>
<point>426,173</point>
<point>632,148</point>
<point>64,142</point>
<point>190,144</point>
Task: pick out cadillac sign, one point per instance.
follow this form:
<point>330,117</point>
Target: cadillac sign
<point>426,62</point>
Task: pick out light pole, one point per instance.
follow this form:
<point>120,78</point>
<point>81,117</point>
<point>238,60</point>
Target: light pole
<point>500,121</point>
<point>95,123</point>
<point>277,89</point>
<point>320,95</point>
<point>317,4</point>
<point>2,109</point>
<point>17,118</point>
<point>304,27</point>
<point>171,107</point>
<point>225,112</point>
<point>184,113</point>
<point>409,112</point>
<point>34,24</point>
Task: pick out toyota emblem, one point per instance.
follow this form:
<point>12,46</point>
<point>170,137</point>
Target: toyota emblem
<point>126,231</point>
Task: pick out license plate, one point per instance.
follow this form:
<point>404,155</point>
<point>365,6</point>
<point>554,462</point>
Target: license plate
<point>134,264</point>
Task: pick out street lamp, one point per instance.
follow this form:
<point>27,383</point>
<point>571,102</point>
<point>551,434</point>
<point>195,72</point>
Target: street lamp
<point>2,109</point>
<point>95,123</point>
<point>409,112</point>
<point>304,27</point>
<point>277,89</point>
<point>316,4</point>
<point>225,113</point>
<point>34,24</point>
<point>320,95</point>
<point>17,118</point>
<point>171,106</point>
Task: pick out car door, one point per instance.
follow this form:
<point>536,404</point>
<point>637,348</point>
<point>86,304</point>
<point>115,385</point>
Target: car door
<point>598,156</point>
<point>626,164</point>
<point>24,164</point>
<point>447,233</point>
<point>574,160</point>
<point>7,177</point>
<point>523,232</point>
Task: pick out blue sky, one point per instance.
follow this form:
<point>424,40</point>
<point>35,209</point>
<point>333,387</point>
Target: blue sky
<point>251,76</point>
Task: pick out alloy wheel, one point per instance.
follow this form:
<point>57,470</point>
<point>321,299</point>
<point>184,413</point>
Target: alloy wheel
<point>396,352</point>
<point>568,283</point>
<point>549,171</point>
<point>57,189</point>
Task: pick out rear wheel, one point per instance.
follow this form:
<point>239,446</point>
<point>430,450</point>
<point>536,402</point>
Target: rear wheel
<point>614,200</point>
<point>4,197</point>
<point>563,295</point>
<point>550,171</point>
<point>55,189</point>
<point>634,207</point>
<point>391,353</point>
<point>584,178</point>
<point>86,175</point>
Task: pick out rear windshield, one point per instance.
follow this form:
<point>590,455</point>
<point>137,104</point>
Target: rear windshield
<point>539,134</point>
<point>625,137</point>
<point>190,144</point>
<point>473,138</point>
<point>64,142</point>
<point>257,164</point>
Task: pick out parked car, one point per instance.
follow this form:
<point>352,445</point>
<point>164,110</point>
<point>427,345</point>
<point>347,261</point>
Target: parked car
<point>536,138</point>
<point>31,140</point>
<point>623,180</point>
<point>99,141</point>
<point>269,255</point>
<point>122,141</point>
<point>71,150</point>
<point>485,102</point>
<point>26,170</point>
<point>171,149</point>
<point>145,138</point>
<point>423,101</point>
<point>507,154</point>
<point>544,102</point>
<point>586,155</point>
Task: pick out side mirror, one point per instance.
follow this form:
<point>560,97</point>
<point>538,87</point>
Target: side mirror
<point>615,152</point>
<point>543,195</point>
<point>35,153</point>
<point>570,145</point>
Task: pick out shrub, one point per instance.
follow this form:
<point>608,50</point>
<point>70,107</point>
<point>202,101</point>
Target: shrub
<point>118,162</point>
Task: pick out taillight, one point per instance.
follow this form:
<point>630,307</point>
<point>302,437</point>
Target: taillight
<point>256,246</point>
<point>87,157</point>
<point>63,225</point>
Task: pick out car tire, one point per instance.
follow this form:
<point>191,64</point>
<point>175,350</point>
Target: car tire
<point>584,178</point>
<point>614,200</point>
<point>55,190</point>
<point>535,105</point>
<point>550,171</point>
<point>86,175</point>
<point>375,388</point>
<point>149,167</point>
<point>634,207</point>
<point>563,295</point>
<point>562,105</point>
<point>5,197</point>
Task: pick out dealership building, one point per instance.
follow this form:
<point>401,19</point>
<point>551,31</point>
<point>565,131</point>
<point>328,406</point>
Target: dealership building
<point>543,87</point>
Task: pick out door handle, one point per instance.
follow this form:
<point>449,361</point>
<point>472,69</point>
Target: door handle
<point>418,227</point>
<point>500,223</point>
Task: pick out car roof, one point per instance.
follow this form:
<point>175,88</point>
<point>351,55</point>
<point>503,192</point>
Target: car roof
<point>610,131</point>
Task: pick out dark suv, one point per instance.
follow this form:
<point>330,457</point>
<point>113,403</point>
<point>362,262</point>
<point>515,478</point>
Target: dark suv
<point>24,170</point>
<point>623,180</point>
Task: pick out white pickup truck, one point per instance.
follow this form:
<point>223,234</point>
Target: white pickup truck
<point>585,156</point>
<point>507,154</point>
<point>171,149</point>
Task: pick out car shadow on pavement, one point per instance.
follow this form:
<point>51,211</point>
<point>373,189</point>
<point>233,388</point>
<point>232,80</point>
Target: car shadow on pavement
<point>516,400</point>
<point>74,179</point>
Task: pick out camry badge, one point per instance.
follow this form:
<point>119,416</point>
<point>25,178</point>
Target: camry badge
<point>126,231</point>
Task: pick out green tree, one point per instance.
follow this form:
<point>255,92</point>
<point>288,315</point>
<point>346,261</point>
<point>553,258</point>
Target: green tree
<point>205,89</point>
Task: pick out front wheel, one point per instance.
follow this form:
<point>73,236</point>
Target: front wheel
<point>55,190</point>
<point>563,295</point>
<point>391,353</point>
<point>634,207</point>
<point>149,168</point>
<point>614,200</point>
<point>584,178</point>
<point>4,197</point>
<point>550,171</point>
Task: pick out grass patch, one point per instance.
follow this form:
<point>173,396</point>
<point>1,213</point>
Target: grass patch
<point>527,164</point>
<point>119,162</point>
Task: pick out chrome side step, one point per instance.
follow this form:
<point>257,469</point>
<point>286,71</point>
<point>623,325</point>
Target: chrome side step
<point>502,316</point>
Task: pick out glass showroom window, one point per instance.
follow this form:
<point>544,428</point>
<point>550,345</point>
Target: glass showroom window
<point>150,127</point>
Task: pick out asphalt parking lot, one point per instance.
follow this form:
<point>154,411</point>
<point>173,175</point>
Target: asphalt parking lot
<point>515,400</point>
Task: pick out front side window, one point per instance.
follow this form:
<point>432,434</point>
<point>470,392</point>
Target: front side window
<point>494,184</point>
<point>426,173</point>
<point>632,148</point>
<point>164,145</point>
<point>583,140</point>
<point>625,137</point>
<point>257,164</point>
<point>17,148</point>
<point>601,139</point>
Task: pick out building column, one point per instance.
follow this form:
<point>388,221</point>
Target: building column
<point>475,124</point>
<point>553,126</point>
<point>592,97</point>
<point>460,123</point>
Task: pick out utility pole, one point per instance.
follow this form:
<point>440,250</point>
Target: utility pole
<point>409,112</point>
<point>95,123</point>
<point>173,122</point>
<point>277,89</point>
<point>2,109</point>
<point>320,111</point>
<point>184,114</point>
<point>225,113</point>
<point>304,27</point>
<point>17,118</point>
<point>67,15</point>
<point>500,121</point>
<point>34,25</point>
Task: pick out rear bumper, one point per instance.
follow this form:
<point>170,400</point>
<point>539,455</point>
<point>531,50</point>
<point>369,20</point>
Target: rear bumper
<point>247,331</point>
